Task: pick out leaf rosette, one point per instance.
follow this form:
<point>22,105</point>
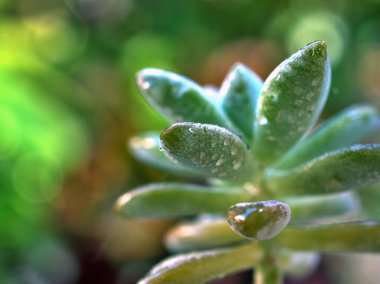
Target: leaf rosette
<point>254,141</point>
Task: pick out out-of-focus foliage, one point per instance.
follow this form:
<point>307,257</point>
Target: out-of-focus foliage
<point>68,102</point>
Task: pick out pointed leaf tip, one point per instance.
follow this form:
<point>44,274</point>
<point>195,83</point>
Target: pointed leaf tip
<point>240,91</point>
<point>146,148</point>
<point>291,100</point>
<point>178,98</point>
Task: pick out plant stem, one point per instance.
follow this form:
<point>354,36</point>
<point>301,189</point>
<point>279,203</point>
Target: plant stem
<point>268,274</point>
<point>268,270</point>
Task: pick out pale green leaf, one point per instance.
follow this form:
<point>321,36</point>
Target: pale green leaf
<point>209,149</point>
<point>146,148</point>
<point>290,101</point>
<point>165,200</point>
<point>179,98</point>
<point>327,206</point>
<point>239,93</point>
<point>205,232</point>
<point>201,267</point>
<point>362,236</point>
<point>343,130</point>
<point>369,199</point>
<point>336,171</point>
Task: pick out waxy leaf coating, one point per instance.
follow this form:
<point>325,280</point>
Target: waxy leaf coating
<point>201,267</point>
<point>178,98</point>
<point>327,206</point>
<point>336,171</point>
<point>239,93</point>
<point>360,236</point>
<point>205,232</point>
<point>165,200</point>
<point>209,149</point>
<point>146,148</point>
<point>343,130</point>
<point>259,220</point>
<point>290,101</point>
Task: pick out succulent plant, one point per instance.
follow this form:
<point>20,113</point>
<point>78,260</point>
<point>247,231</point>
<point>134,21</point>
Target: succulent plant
<point>288,190</point>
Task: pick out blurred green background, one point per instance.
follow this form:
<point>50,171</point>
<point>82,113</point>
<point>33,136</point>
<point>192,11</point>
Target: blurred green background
<point>68,103</point>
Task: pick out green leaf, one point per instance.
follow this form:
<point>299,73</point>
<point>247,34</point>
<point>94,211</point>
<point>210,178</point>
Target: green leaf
<point>178,98</point>
<point>259,220</point>
<point>343,130</point>
<point>336,171</point>
<point>369,199</point>
<point>317,207</point>
<point>204,266</point>
<point>209,149</point>
<point>360,236</point>
<point>146,148</point>
<point>204,233</point>
<point>290,101</point>
<point>239,93</point>
<point>166,200</point>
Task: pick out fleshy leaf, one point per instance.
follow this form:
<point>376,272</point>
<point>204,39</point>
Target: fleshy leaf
<point>178,98</point>
<point>165,200</point>
<point>343,130</point>
<point>360,236</point>
<point>239,93</point>
<point>209,149</point>
<point>259,220</point>
<point>204,233</point>
<point>290,101</point>
<point>327,206</point>
<point>204,266</point>
<point>336,171</point>
<point>369,199</point>
<point>146,148</point>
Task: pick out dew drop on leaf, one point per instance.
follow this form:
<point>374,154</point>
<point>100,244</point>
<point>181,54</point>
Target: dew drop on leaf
<point>259,220</point>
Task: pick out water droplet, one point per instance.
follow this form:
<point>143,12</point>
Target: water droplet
<point>233,151</point>
<point>259,220</point>
<point>237,165</point>
<point>262,120</point>
<point>219,162</point>
<point>225,143</point>
<point>191,130</point>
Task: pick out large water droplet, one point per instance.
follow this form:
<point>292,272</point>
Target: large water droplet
<point>259,220</point>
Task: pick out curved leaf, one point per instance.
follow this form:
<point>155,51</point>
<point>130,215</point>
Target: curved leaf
<point>369,199</point>
<point>204,233</point>
<point>209,149</point>
<point>336,171</point>
<point>360,236</point>
<point>290,101</point>
<point>343,130</point>
<point>239,93</point>
<point>166,200</point>
<point>328,206</point>
<point>178,98</point>
<point>146,148</point>
<point>204,266</point>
